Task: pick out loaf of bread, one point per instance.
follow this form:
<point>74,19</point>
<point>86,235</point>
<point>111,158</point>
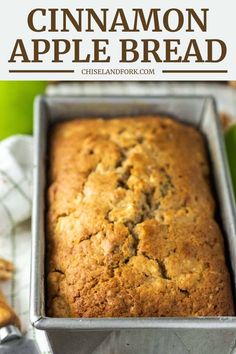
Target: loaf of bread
<point>131,227</point>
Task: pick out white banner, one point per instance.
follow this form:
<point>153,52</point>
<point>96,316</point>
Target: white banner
<point>118,40</point>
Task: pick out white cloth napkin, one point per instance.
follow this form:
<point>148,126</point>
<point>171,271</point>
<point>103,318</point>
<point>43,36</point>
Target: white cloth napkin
<point>15,181</point>
<point>16,162</point>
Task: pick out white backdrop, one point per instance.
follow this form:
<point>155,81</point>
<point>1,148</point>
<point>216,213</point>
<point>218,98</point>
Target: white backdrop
<point>13,25</point>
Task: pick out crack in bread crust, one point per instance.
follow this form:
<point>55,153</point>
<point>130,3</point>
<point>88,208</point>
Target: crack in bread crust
<point>130,222</point>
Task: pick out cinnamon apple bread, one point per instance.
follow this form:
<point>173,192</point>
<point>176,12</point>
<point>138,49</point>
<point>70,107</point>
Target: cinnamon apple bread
<point>131,227</point>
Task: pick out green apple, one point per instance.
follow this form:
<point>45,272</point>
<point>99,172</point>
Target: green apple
<point>16,106</point>
<point>230,140</point>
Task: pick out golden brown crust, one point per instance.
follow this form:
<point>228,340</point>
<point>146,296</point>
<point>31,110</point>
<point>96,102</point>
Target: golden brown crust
<point>131,229</point>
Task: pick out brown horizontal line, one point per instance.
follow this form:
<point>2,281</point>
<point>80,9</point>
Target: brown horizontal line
<point>194,71</point>
<point>40,71</point>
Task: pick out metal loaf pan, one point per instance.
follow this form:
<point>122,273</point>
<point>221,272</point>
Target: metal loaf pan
<point>197,111</point>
